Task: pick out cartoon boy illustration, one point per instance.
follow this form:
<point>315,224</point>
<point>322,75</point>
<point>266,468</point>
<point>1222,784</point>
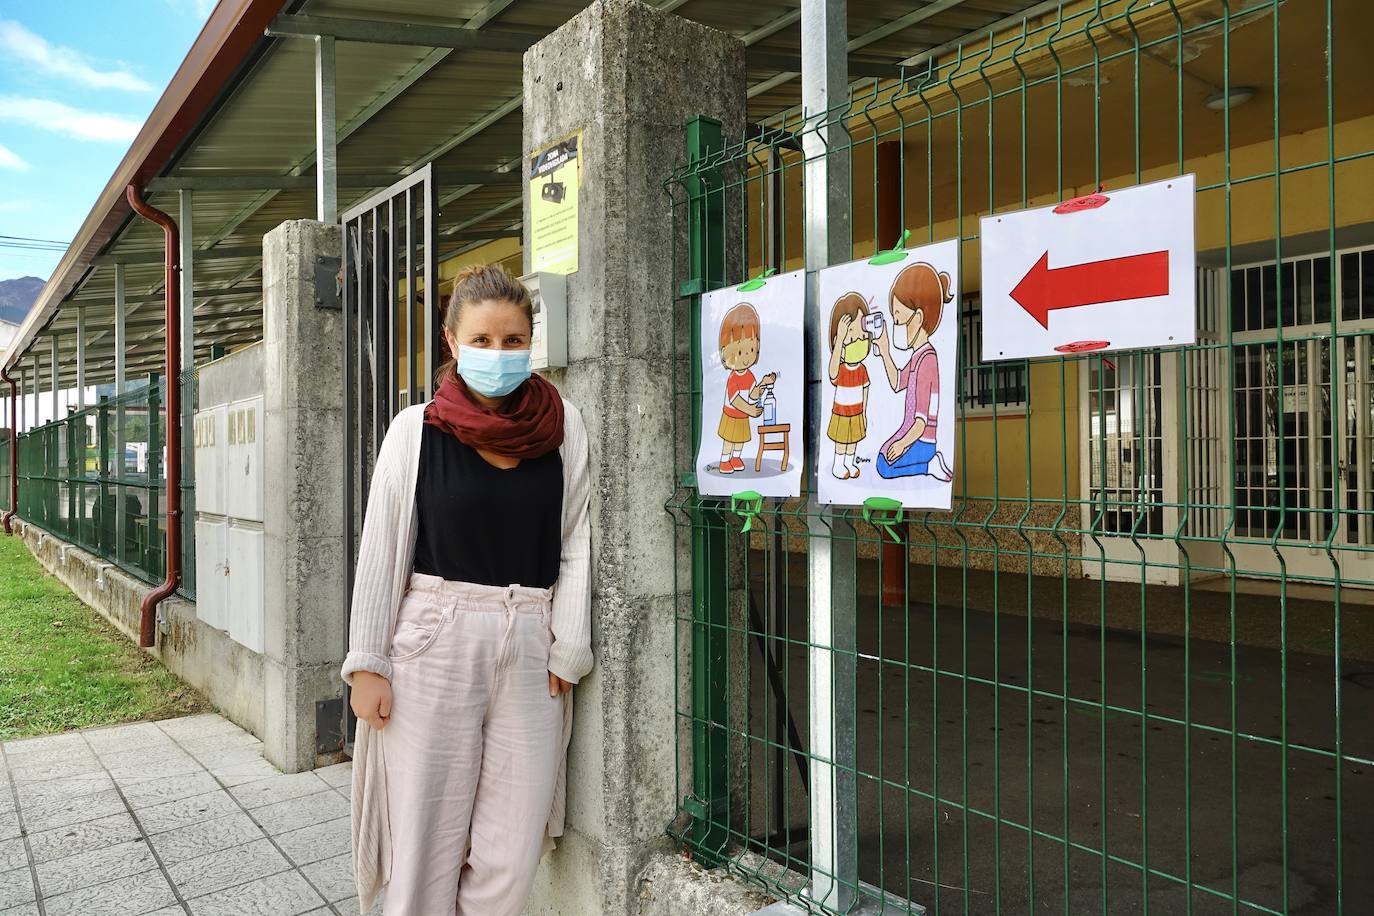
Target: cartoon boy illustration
<point>739,351</point>
<point>849,346</point>
<point>917,301</point>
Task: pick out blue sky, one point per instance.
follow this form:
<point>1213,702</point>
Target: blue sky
<point>77,80</point>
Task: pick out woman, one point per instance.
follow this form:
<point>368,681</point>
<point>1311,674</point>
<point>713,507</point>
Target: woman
<point>918,297</point>
<point>470,623</point>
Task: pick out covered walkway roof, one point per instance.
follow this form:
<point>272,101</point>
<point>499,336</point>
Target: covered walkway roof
<point>236,129</point>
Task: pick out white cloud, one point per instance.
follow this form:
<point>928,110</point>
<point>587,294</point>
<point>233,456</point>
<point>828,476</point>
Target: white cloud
<point>23,45</point>
<point>64,119</point>
<point>9,159</point>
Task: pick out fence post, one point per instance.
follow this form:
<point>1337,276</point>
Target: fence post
<point>104,533</point>
<point>710,799</point>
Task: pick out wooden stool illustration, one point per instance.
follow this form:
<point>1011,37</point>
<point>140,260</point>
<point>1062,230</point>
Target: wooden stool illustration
<point>782,443</point>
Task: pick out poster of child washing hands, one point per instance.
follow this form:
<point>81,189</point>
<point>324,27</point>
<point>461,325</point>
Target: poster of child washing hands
<point>888,362</point>
<point>752,388</point>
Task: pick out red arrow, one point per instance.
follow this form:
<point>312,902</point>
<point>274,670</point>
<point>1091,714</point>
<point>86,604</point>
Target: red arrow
<point>1136,276</point>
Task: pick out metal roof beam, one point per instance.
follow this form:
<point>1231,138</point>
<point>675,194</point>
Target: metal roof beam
<point>159,297</point>
<point>377,31</point>
<point>156,257</point>
<point>306,182</point>
<point>773,60</point>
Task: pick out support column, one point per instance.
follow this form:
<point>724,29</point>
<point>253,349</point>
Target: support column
<point>629,77</point>
<point>54,376</point>
<point>121,342</point>
<point>305,635</point>
<point>832,557</point>
<point>326,133</point>
<point>188,287</point>
<point>81,357</point>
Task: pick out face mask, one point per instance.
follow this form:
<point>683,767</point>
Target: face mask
<point>493,373</point>
<point>856,351</point>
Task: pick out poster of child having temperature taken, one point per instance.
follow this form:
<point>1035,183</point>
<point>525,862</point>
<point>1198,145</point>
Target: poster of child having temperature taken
<point>752,388</point>
<point>888,358</point>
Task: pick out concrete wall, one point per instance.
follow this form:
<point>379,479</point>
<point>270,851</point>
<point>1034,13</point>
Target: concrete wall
<point>202,656</point>
<point>616,73</point>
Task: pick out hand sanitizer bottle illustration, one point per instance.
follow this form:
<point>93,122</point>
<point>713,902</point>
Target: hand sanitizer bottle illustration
<point>770,407</point>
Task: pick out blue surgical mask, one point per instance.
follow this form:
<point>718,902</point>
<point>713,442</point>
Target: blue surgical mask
<point>494,373</point>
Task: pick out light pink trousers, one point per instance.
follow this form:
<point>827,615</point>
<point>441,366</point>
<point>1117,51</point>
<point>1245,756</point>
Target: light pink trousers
<point>471,748</point>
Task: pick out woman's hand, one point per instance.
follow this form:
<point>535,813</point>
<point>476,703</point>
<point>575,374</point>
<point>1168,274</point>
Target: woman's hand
<point>898,449</point>
<point>371,698</point>
<point>557,685</point>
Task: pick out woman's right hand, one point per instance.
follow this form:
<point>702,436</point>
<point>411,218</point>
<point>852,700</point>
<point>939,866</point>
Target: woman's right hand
<point>371,698</point>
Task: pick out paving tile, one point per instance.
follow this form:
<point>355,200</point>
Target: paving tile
<point>9,825</point>
<point>201,726</point>
<point>16,887</point>
<point>61,812</point>
<point>333,877</point>
<point>349,907</point>
<point>243,771</point>
<point>208,836</point>
<point>340,774</point>
<point>278,789</point>
<point>23,909</point>
<point>131,896</point>
<point>318,841</point>
<point>36,793</point>
<point>285,894</point>
<point>160,790</point>
<point>167,911</point>
<point>41,769</point>
<point>171,815</point>
<point>306,811</point>
<point>176,763</point>
<point>227,868</point>
<point>50,745</point>
<point>215,744</point>
<point>74,839</point>
<point>137,734</point>
<point>13,854</point>
<point>87,868</point>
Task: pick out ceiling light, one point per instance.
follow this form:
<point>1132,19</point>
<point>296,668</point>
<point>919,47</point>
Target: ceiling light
<point>1239,95</point>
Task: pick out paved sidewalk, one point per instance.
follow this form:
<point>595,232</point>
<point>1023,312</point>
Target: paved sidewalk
<point>172,817</point>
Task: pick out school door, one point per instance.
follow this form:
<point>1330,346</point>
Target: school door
<point>1159,428</point>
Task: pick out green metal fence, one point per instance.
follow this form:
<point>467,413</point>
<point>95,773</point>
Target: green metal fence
<point>96,478</point>
<point>1133,670</point>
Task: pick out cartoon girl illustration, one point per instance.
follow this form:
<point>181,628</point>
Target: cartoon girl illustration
<point>849,347</point>
<point>739,351</point>
<point>917,301</point>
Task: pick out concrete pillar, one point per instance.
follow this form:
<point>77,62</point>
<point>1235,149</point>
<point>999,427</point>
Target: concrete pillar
<point>628,76</point>
<point>305,635</point>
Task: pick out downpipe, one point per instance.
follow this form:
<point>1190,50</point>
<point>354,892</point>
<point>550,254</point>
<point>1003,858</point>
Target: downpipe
<point>147,622</point>
<point>14,453</point>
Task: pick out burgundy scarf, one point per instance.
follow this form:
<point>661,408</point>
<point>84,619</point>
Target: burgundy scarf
<point>528,425</point>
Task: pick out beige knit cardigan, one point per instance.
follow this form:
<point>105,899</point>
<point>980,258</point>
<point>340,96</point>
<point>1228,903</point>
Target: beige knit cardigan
<point>385,557</point>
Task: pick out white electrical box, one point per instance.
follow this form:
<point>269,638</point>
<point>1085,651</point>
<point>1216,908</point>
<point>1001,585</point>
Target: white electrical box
<point>212,571</point>
<point>208,437</point>
<point>549,342</point>
<point>246,600</point>
<point>243,478</point>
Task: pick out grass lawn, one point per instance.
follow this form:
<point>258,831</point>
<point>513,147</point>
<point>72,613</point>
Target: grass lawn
<point>62,666</point>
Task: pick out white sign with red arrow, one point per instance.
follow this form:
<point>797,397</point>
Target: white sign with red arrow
<point>1109,271</point>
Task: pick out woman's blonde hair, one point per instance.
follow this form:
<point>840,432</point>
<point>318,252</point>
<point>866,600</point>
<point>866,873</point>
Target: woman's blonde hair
<point>480,283</point>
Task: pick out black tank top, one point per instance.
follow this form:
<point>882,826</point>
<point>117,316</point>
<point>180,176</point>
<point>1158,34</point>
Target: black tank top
<point>481,524</point>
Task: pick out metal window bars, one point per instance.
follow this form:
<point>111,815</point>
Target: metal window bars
<point>1130,670</point>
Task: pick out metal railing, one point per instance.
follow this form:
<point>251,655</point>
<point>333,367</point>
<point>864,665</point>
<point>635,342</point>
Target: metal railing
<point>95,478</point>
<point>1131,669</point>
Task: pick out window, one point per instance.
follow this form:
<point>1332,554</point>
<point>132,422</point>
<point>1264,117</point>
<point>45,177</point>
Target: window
<point>983,384</point>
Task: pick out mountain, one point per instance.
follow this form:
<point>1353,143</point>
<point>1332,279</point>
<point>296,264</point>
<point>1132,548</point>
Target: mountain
<point>17,296</point>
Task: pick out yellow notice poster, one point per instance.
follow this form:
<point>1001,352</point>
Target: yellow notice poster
<point>553,177</point>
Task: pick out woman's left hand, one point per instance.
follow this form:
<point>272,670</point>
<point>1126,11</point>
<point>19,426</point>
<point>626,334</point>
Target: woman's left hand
<point>557,685</point>
<point>897,450</point>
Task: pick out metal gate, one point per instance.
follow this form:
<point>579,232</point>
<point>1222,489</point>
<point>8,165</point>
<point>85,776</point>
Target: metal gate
<point>1133,670</point>
<point>391,341</point>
